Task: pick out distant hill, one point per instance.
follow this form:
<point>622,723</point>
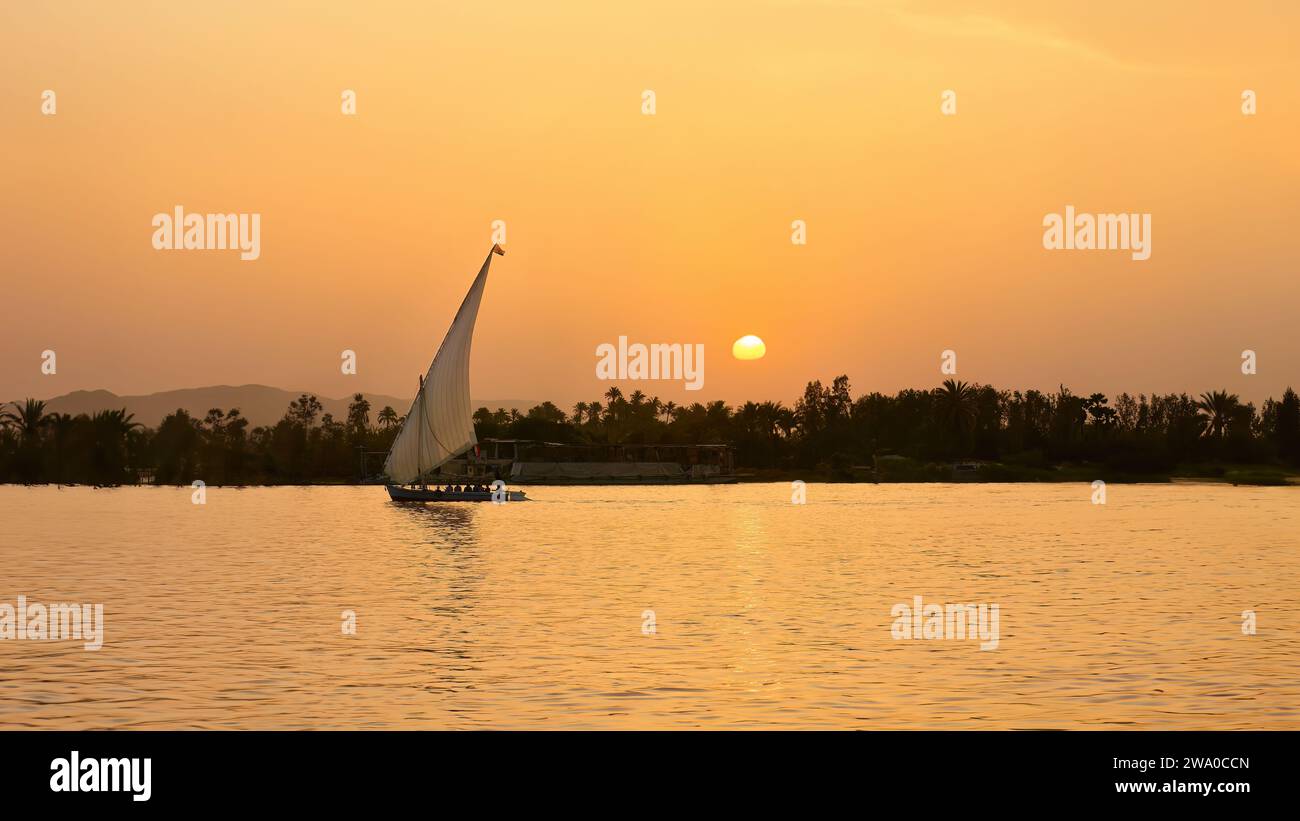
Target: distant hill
<point>260,404</point>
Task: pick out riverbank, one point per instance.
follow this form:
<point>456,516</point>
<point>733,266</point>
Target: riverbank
<point>909,472</point>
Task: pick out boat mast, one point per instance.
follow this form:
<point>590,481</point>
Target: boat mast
<point>419,442</point>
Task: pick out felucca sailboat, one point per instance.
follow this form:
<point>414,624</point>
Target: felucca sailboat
<point>440,425</point>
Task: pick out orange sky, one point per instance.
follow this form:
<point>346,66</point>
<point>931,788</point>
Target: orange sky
<point>924,231</point>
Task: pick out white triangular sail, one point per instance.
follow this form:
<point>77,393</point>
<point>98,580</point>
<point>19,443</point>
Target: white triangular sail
<point>440,424</point>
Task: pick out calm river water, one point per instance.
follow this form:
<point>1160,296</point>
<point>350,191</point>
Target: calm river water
<point>765,613</point>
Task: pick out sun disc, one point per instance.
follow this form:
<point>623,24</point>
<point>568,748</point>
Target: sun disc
<point>748,347</point>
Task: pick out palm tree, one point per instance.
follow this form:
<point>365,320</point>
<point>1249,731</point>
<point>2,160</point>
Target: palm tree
<point>28,417</point>
<point>304,410</point>
<point>359,415</point>
<point>115,425</point>
<point>594,410</point>
<point>670,410</point>
<point>121,421</point>
<point>957,406</point>
<point>61,425</point>
<point>614,398</point>
<point>786,421</point>
<point>109,455</point>
<point>1218,408</point>
<point>717,411</point>
<point>614,403</point>
<point>579,410</point>
<point>387,417</point>
<point>770,415</point>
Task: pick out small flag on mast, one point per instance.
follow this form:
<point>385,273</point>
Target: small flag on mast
<point>496,249</point>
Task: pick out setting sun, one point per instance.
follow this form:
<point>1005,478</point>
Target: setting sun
<point>748,347</point>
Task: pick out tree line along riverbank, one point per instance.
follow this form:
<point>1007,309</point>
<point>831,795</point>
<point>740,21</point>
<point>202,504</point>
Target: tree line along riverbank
<point>956,431</point>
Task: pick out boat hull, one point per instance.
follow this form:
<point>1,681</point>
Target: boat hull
<point>414,494</point>
<point>558,481</point>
